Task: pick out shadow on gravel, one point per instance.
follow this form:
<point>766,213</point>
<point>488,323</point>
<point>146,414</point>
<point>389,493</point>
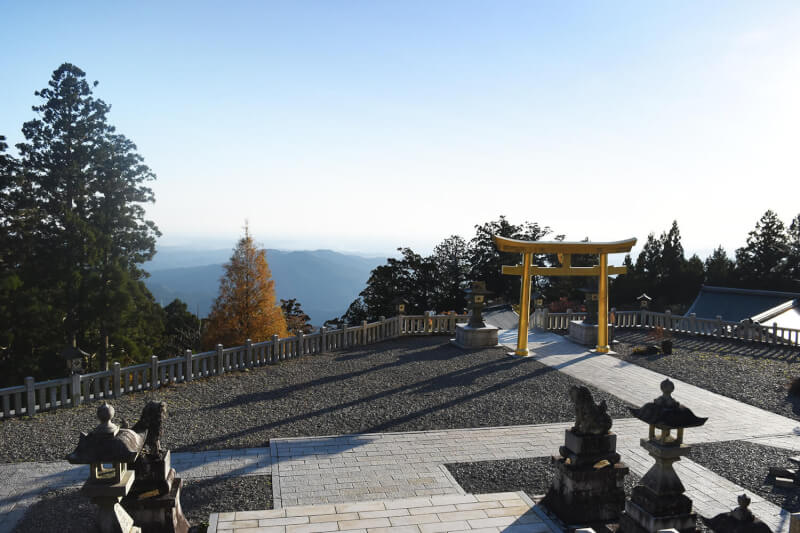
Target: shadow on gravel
<point>701,344</point>
<point>432,384</point>
<point>455,401</point>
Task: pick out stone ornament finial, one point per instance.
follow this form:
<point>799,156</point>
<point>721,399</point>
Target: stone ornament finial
<point>104,414</point>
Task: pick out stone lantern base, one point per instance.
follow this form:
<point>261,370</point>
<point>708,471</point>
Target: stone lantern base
<point>468,337</point>
<point>586,334</point>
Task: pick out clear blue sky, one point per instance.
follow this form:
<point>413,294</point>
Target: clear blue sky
<point>370,125</point>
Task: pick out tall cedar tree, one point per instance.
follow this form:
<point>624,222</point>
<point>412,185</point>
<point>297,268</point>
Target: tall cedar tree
<point>246,307</point>
<point>77,233</point>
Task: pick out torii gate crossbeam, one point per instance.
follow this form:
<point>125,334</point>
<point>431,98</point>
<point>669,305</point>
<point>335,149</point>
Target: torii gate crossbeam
<point>564,250</point>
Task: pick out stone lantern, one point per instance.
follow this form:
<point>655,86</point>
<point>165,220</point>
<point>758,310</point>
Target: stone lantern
<point>538,300</point>
<point>644,301</point>
<point>74,357</point>
<point>476,301</point>
<point>476,334</point>
<point>590,300</point>
<point>108,450</point>
<point>659,502</point>
<point>400,305</point>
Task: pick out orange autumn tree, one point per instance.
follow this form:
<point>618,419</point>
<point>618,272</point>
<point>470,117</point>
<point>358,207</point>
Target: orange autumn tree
<point>246,307</point>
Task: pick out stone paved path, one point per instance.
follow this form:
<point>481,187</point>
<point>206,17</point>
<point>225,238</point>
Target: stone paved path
<point>368,467</point>
<point>510,512</point>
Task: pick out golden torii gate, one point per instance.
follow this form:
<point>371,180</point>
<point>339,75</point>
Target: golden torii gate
<point>564,250</point>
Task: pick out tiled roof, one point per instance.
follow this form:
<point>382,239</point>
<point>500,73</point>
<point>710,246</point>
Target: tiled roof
<point>736,304</point>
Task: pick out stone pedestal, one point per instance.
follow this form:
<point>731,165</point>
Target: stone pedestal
<point>658,502</point>
<point>111,516</point>
<point>588,488</point>
<point>154,500</point>
<point>469,337</point>
<point>586,334</point>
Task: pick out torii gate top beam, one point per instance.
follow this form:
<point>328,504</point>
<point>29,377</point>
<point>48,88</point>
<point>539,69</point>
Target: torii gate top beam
<point>504,244</point>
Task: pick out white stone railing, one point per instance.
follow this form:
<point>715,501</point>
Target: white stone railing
<point>687,324</point>
<point>34,397</point>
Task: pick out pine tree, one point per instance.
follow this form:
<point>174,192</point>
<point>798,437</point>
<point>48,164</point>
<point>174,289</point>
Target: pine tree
<point>246,307</point>
<point>297,321</point>
<point>718,268</point>
<point>762,263</point>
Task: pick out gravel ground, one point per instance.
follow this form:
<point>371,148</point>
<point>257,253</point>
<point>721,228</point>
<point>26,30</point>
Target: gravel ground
<point>73,512</point>
<point>747,464</point>
<point>532,475</point>
<point>752,373</point>
<point>410,384</point>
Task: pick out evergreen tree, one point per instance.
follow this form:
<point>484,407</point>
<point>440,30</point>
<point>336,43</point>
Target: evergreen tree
<point>762,262</point>
<point>181,329</point>
<point>296,320</point>
<point>246,306</point>
<point>794,250</point>
<point>76,232</point>
<point>718,268</point>
<point>486,261</point>
<point>451,263</point>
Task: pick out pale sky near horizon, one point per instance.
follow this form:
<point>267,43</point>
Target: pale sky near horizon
<point>369,125</point>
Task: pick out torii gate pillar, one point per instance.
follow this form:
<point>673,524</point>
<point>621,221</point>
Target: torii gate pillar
<point>564,250</point>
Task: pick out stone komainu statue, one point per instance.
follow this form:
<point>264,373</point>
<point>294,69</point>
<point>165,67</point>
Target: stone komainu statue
<point>152,419</point>
<point>590,418</point>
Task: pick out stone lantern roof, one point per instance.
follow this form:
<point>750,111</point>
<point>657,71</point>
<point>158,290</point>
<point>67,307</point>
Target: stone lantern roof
<point>666,413</point>
<point>107,443</point>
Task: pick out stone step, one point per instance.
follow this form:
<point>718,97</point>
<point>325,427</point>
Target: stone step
<point>784,482</point>
<point>511,512</point>
<point>795,459</point>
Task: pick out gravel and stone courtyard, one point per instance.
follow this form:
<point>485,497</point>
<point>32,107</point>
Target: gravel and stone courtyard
<point>754,373</point>
<point>381,423</point>
<point>411,384</point>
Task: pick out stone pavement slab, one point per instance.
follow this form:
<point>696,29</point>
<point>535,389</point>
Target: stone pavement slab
<point>486,513</point>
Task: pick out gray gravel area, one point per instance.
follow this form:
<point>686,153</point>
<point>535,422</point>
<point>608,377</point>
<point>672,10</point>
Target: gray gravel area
<point>753,373</point>
<point>411,384</point>
<point>532,475</point>
<point>747,464</point>
<point>74,513</point>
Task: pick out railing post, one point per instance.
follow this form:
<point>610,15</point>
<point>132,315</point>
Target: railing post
<point>274,358</point>
<point>774,333</point>
<point>189,370</point>
<point>693,323</point>
<point>249,344</point>
<point>344,336</point>
<point>323,339</point>
<point>76,390</point>
<point>220,360</point>
<point>719,326</point>
<point>117,381</point>
<point>363,332</point>
<point>382,328</point>
<point>153,372</point>
<point>300,350</point>
<point>667,320</point>
<point>30,396</point>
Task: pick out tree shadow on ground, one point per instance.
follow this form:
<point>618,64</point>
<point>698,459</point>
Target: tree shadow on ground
<point>429,384</point>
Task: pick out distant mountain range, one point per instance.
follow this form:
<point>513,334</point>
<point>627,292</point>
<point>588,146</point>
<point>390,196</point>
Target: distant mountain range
<point>323,281</point>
